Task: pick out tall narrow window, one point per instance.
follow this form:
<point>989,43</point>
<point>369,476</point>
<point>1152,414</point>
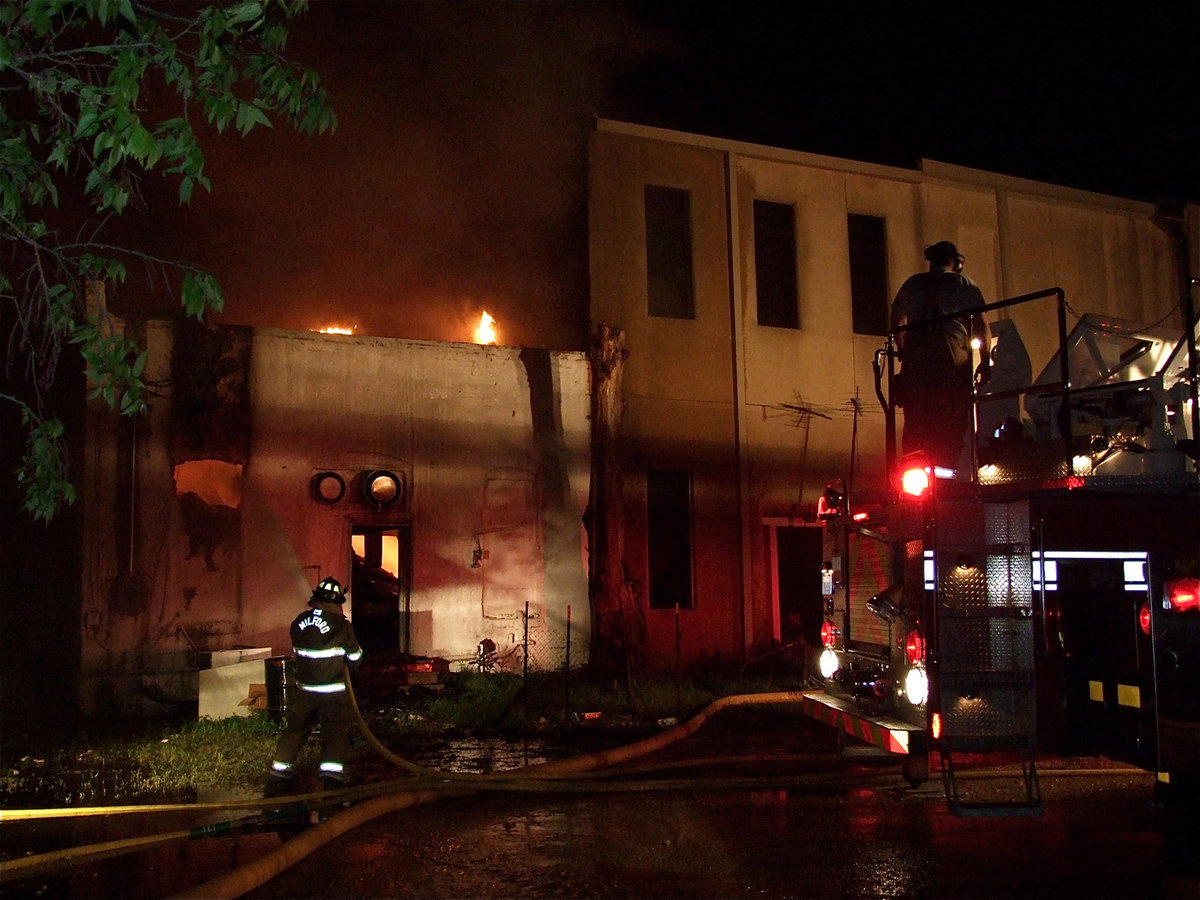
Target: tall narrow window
<point>775,264</point>
<point>379,570</point>
<point>868,273</point>
<point>669,538</point>
<point>669,252</point>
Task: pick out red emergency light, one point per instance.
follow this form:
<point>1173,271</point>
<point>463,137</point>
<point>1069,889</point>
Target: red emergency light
<point>915,475</point>
<point>1183,594</point>
<point>829,634</point>
<point>915,482</point>
<point>914,647</point>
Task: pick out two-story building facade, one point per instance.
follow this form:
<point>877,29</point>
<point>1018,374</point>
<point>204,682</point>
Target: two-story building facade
<point>753,285</point>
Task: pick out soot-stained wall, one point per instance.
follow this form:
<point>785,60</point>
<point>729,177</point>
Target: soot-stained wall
<point>204,532</point>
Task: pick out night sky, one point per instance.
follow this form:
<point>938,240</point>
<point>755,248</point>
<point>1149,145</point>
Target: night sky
<point>456,179</point>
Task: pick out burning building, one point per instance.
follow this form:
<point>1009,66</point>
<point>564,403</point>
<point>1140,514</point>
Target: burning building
<point>445,483</point>
<point>442,483</point>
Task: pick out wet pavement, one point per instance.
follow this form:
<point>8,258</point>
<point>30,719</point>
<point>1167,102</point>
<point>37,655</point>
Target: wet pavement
<point>814,822</point>
<point>1097,838</point>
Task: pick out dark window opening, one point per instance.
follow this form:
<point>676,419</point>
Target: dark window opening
<point>775,264</point>
<point>798,570</point>
<point>669,253</point>
<point>669,538</point>
<point>868,273</point>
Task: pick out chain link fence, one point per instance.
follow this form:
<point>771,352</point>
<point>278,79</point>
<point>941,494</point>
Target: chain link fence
<point>531,642</point>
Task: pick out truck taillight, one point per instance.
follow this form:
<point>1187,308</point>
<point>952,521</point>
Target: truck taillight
<point>916,686</point>
<point>828,663</point>
<point>1144,618</point>
<point>914,482</point>
<point>914,647</point>
<point>829,634</point>
<point>1183,594</point>
<point>915,473</point>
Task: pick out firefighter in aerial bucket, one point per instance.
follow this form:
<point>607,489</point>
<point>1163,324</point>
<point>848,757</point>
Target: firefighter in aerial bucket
<point>934,384</point>
<point>324,642</point>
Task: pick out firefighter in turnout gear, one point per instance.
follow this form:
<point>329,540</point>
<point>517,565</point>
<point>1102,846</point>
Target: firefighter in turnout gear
<point>935,378</point>
<point>324,641</point>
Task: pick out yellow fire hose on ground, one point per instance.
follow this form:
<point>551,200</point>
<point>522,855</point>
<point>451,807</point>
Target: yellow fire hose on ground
<point>245,878</point>
<point>423,785</point>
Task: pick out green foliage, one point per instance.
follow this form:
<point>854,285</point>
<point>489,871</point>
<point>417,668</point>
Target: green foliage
<point>98,94</point>
<point>114,366</point>
<point>43,473</point>
<point>472,699</point>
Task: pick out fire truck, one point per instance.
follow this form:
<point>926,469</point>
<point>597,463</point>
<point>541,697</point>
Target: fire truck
<point>1047,599</point>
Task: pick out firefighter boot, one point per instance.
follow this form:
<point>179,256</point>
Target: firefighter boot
<point>279,785</point>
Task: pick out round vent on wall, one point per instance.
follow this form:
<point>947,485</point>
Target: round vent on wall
<point>381,488</point>
<point>328,487</point>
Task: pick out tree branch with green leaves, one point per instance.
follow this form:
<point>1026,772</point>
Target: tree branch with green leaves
<point>96,95</point>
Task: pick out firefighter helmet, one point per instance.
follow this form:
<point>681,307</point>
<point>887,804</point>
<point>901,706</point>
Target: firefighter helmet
<point>329,590</point>
<point>944,253</point>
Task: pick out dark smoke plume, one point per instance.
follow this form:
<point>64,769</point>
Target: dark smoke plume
<point>454,183</point>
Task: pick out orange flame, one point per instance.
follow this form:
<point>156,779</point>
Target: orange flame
<point>337,329</point>
<point>485,333</point>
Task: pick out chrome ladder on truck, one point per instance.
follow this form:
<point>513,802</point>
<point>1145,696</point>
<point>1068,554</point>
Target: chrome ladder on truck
<point>983,690</point>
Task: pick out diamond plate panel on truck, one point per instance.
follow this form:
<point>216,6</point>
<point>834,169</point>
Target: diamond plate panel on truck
<point>986,644</point>
<point>985,620</point>
<point>982,712</point>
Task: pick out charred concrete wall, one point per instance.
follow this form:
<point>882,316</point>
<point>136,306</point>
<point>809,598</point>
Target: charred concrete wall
<point>231,486</point>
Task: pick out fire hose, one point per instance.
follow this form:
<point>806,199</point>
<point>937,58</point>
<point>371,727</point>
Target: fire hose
<point>423,785</point>
<point>245,878</point>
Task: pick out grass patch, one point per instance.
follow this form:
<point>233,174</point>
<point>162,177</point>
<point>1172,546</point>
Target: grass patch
<point>147,762</point>
<point>173,762</point>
